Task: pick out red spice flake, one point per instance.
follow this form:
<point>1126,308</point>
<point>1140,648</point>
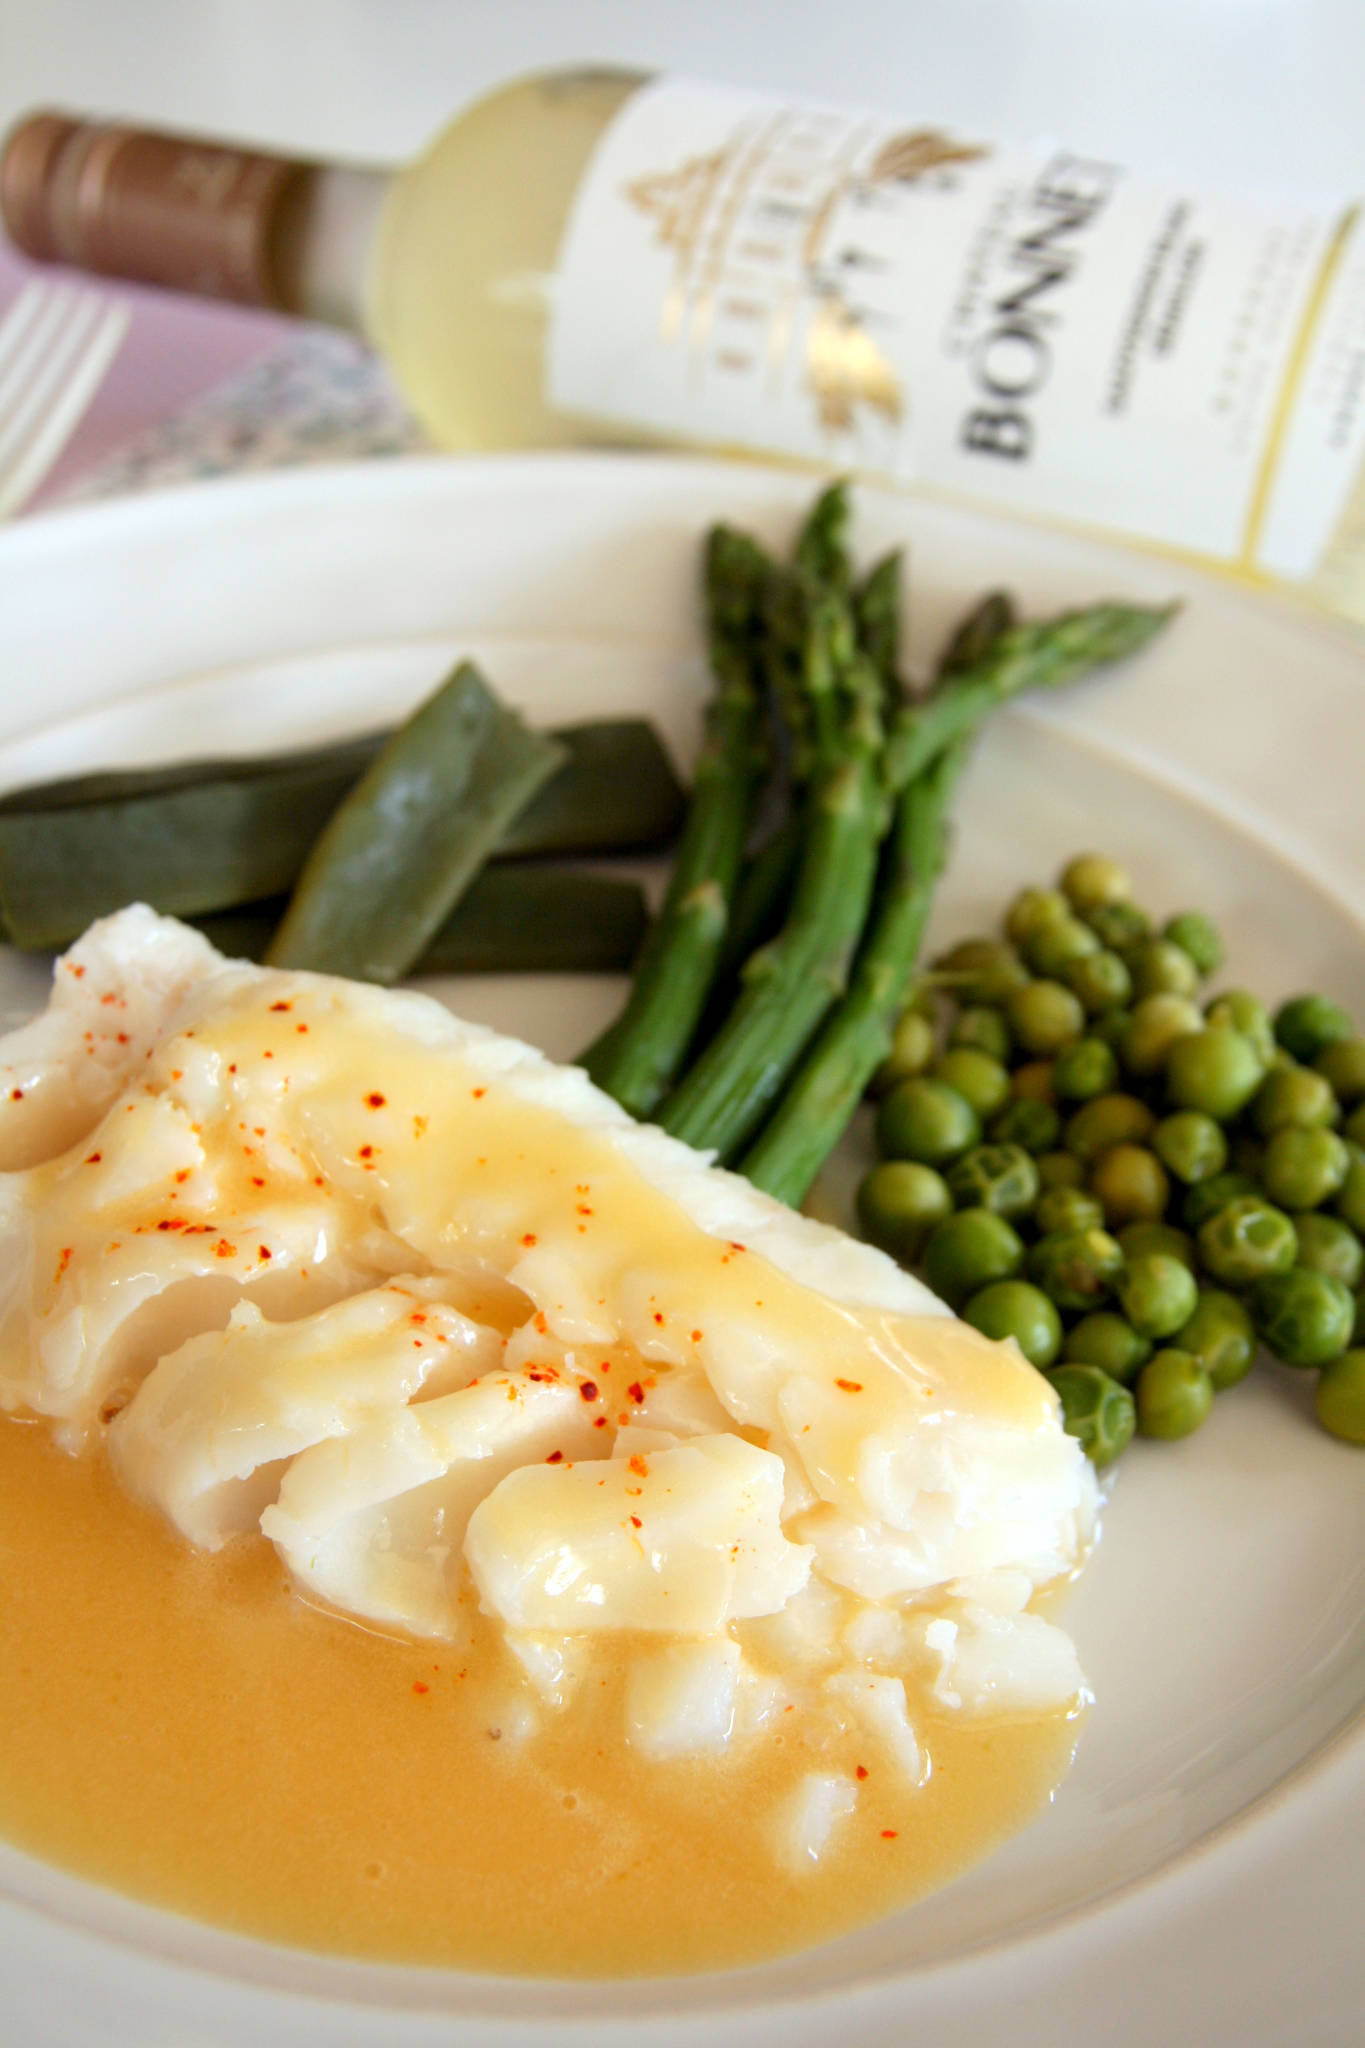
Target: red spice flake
<point>233,1068</point>
<point>529,1238</point>
<point>256,1181</point>
<point>93,1158</point>
<point>367,1151</point>
<point>420,1685</point>
<point>301,1028</point>
<point>636,1391</point>
<point>601,1422</point>
<point>588,1389</point>
<point>539,1322</point>
<point>181,1177</point>
<point>419,1127</point>
<point>478,1093</point>
<point>224,1250</point>
<point>263,1251</point>
<point>418,1316</point>
<point>16,1094</point>
<point>658,1316</point>
<point>738,1247</point>
<point>177,1073</point>
<point>889,1834</point>
<point>639,1467</point>
<point>417,1344</point>
<point>375,1100</point>
<point>860,1771</point>
<point>267,1054</point>
<point>122,1037</point>
<point>64,1258</point>
<point>72,969</point>
<point>636,1523</point>
<point>318,1181</point>
<point>696,1336</point>
<point>281,1006</point>
<point>850,1386</point>
<point>555,1458</point>
<point>107,999</point>
<point>258,1130</point>
<point>584,1210</point>
<point>172,1223</point>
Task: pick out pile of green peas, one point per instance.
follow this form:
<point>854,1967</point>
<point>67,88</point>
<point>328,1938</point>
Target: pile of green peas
<point>1137,1182</point>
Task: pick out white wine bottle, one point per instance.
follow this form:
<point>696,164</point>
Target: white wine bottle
<point>600,255</point>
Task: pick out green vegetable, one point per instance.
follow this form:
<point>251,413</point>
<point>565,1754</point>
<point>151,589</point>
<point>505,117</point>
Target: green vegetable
<point>1354,1126</point>
<point>1084,1070</point>
<point>1210,1196</point>
<point>1214,1072</point>
<point>1131,1184</point>
<point>1030,910</point>
<point>982,1080</point>
<point>1340,1399</point>
<point>980,970</point>
<point>1033,1081</point>
<point>1247,1240</point>
<point>899,1202</point>
<point>1303,1165</point>
<point>1190,1145</point>
<point>1108,1120</point>
<point>1159,968</point>
<point>1292,1095</point>
<point>877,619</point>
<point>616,793</point>
<point>1100,981</point>
<point>1137,1240</point>
<point>637,1058</point>
<point>1092,880</point>
<point>968,1251</point>
<point>1044,1016</point>
<point>1111,1025</point>
<point>1078,1269</point>
<point>912,1051</point>
<point>1055,1169</point>
<point>1107,1341</point>
<point>1174,1395</point>
<point>1028,1122</point>
<point>1328,1245</point>
<point>1342,1066</point>
<point>1221,1336</point>
<point>1096,1410</point>
<point>1118,925</point>
<point>758,905</point>
<point>976,634</point>
<point>1064,1209</point>
<point>1012,1309</point>
<point>1156,1024</point>
<point>401,848</point>
<point>1307,1025</point>
<point>925,1119</point>
<point>1002,1178</point>
<point>1157,1294</point>
<point>1241,1011</point>
<point>1305,1317</point>
<point>1058,944</point>
<point>1198,936</point>
<point>1350,1201</point>
<point>982,1028</point>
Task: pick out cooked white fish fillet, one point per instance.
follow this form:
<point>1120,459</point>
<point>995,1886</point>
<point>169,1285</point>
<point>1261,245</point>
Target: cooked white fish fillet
<point>456,1333</point>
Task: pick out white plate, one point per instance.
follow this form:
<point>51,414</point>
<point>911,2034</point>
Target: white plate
<point>1198,1878</point>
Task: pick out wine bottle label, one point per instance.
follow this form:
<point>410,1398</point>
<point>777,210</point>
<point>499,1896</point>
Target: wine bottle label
<point>1031,326</point>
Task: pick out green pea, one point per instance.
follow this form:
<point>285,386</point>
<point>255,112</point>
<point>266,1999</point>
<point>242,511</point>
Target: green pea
<point>1060,1209</point>
<point>1118,925</point>
<point>1059,1170</point>
<point>1011,1308</point>
<point>1190,1145</point>
<point>1340,1400</point>
<point>1350,1201</point>
<point>1044,1016</point>
<point>969,1250</point>
<point>998,1177</point>
<point>1215,1071</point>
<point>1031,909</point>
<point>1241,1011</point>
<point>1091,879</point>
<point>1246,1240</point>
<point>912,1049</point>
<point>1328,1245</point>
<point>1028,1122</point>
<point>981,970</point>
<point>1132,1184</point>
<point>1139,1240</point>
<point>1342,1066</point>
<point>1212,1195</point>
<point>1096,1410</point>
<point>1084,1070</point>
<point>1160,969</point>
<point>1153,1028</point>
<point>1303,1165</point>
<point>1157,1294</point>
<point>1220,1335</point>
<point>1111,1025</point>
<point>1292,1095</point>
<point>1051,949</point>
<point>1303,1316</point>
<point>1108,1120</point>
<point>1108,1341</point>
<point>1076,1268</point>
<point>1033,1081</point>
<point>899,1202</point>
<point>1354,1126</point>
<point>1099,980</point>
<point>1198,936</point>
<point>924,1119</point>
<point>1306,1025</point>
<point>979,1079</point>
<point>983,1028</point>
<point>1174,1395</point>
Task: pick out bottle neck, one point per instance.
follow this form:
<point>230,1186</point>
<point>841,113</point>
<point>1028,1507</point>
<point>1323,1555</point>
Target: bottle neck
<point>193,216</point>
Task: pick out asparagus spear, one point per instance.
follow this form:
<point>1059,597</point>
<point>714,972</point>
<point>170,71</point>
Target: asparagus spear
<point>974,636</point>
<point>877,610</point>
<point>828,1085</point>
<point>638,1055</point>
